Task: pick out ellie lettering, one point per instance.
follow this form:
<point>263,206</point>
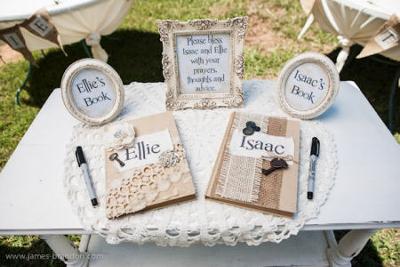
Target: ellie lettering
<point>87,86</point>
<point>141,150</point>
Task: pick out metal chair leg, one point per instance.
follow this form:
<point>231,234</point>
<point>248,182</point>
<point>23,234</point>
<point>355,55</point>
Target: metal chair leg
<point>392,100</point>
<point>22,87</point>
<point>306,26</point>
<point>86,49</point>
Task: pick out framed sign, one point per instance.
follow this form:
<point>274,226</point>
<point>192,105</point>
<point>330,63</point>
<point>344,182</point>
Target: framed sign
<point>92,91</point>
<point>203,62</point>
<point>307,85</point>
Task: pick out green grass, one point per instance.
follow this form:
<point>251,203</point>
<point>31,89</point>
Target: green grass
<point>387,243</point>
<point>135,52</point>
<point>259,65</point>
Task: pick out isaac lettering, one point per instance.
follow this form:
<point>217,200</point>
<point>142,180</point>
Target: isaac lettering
<point>308,95</point>
<point>251,144</point>
<point>301,77</point>
<point>306,86</point>
<point>260,144</point>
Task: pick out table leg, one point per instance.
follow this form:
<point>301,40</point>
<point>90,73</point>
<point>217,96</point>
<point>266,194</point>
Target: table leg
<point>66,251</point>
<point>306,26</point>
<point>344,52</point>
<point>22,87</point>
<point>86,49</point>
<point>340,255</point>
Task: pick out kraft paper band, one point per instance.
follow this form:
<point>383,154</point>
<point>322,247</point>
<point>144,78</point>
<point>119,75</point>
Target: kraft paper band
<point>270,188</point>
<point>239,177</point>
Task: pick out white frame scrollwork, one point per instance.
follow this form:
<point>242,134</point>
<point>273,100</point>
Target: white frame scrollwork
<point>67,96</point>
<point>334,80</point>
<point>175,100</point>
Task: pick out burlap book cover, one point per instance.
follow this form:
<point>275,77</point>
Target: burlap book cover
<point>237,176</point>
<point>151,173</point>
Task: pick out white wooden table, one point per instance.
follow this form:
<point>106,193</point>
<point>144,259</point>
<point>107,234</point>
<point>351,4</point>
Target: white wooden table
<point>365,197</point>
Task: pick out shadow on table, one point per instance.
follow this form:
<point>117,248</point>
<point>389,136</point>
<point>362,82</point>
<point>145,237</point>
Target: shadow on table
<point>38,254</point>
<point>135,55</point>
<point>374,75</point>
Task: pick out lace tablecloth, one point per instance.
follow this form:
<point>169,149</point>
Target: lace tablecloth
<point>200,220</point>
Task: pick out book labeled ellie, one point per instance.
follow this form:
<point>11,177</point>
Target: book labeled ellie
<point>152,173</point>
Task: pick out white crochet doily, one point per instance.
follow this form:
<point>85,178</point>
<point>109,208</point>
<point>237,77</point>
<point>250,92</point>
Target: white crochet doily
<point>200,220</point>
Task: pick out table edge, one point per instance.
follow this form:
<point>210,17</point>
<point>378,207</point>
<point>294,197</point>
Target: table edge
<point>310,227</point>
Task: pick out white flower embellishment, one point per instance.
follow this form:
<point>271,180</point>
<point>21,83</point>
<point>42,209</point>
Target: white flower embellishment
<point>169,158</point>
<point>122,135</point>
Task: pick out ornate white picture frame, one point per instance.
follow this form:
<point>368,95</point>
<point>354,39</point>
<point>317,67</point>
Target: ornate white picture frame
<point>203,62</point>
<point>307,85</point>
<point>92,91</point>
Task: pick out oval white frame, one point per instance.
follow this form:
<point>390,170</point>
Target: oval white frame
<point>327,65</point>
<point>85,64</point>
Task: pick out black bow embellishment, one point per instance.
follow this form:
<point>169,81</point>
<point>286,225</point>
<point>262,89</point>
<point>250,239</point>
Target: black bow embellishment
<point>250,128</point>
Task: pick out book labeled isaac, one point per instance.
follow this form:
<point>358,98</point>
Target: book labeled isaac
<point>152,172</point>
<point>244,174</point>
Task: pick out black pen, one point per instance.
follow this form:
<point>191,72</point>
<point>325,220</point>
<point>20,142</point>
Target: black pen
<point>80,158</point>
<point>313,161</point>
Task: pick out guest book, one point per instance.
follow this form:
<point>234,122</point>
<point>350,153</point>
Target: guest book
<point>149,172</point>
<point>250,144</point>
